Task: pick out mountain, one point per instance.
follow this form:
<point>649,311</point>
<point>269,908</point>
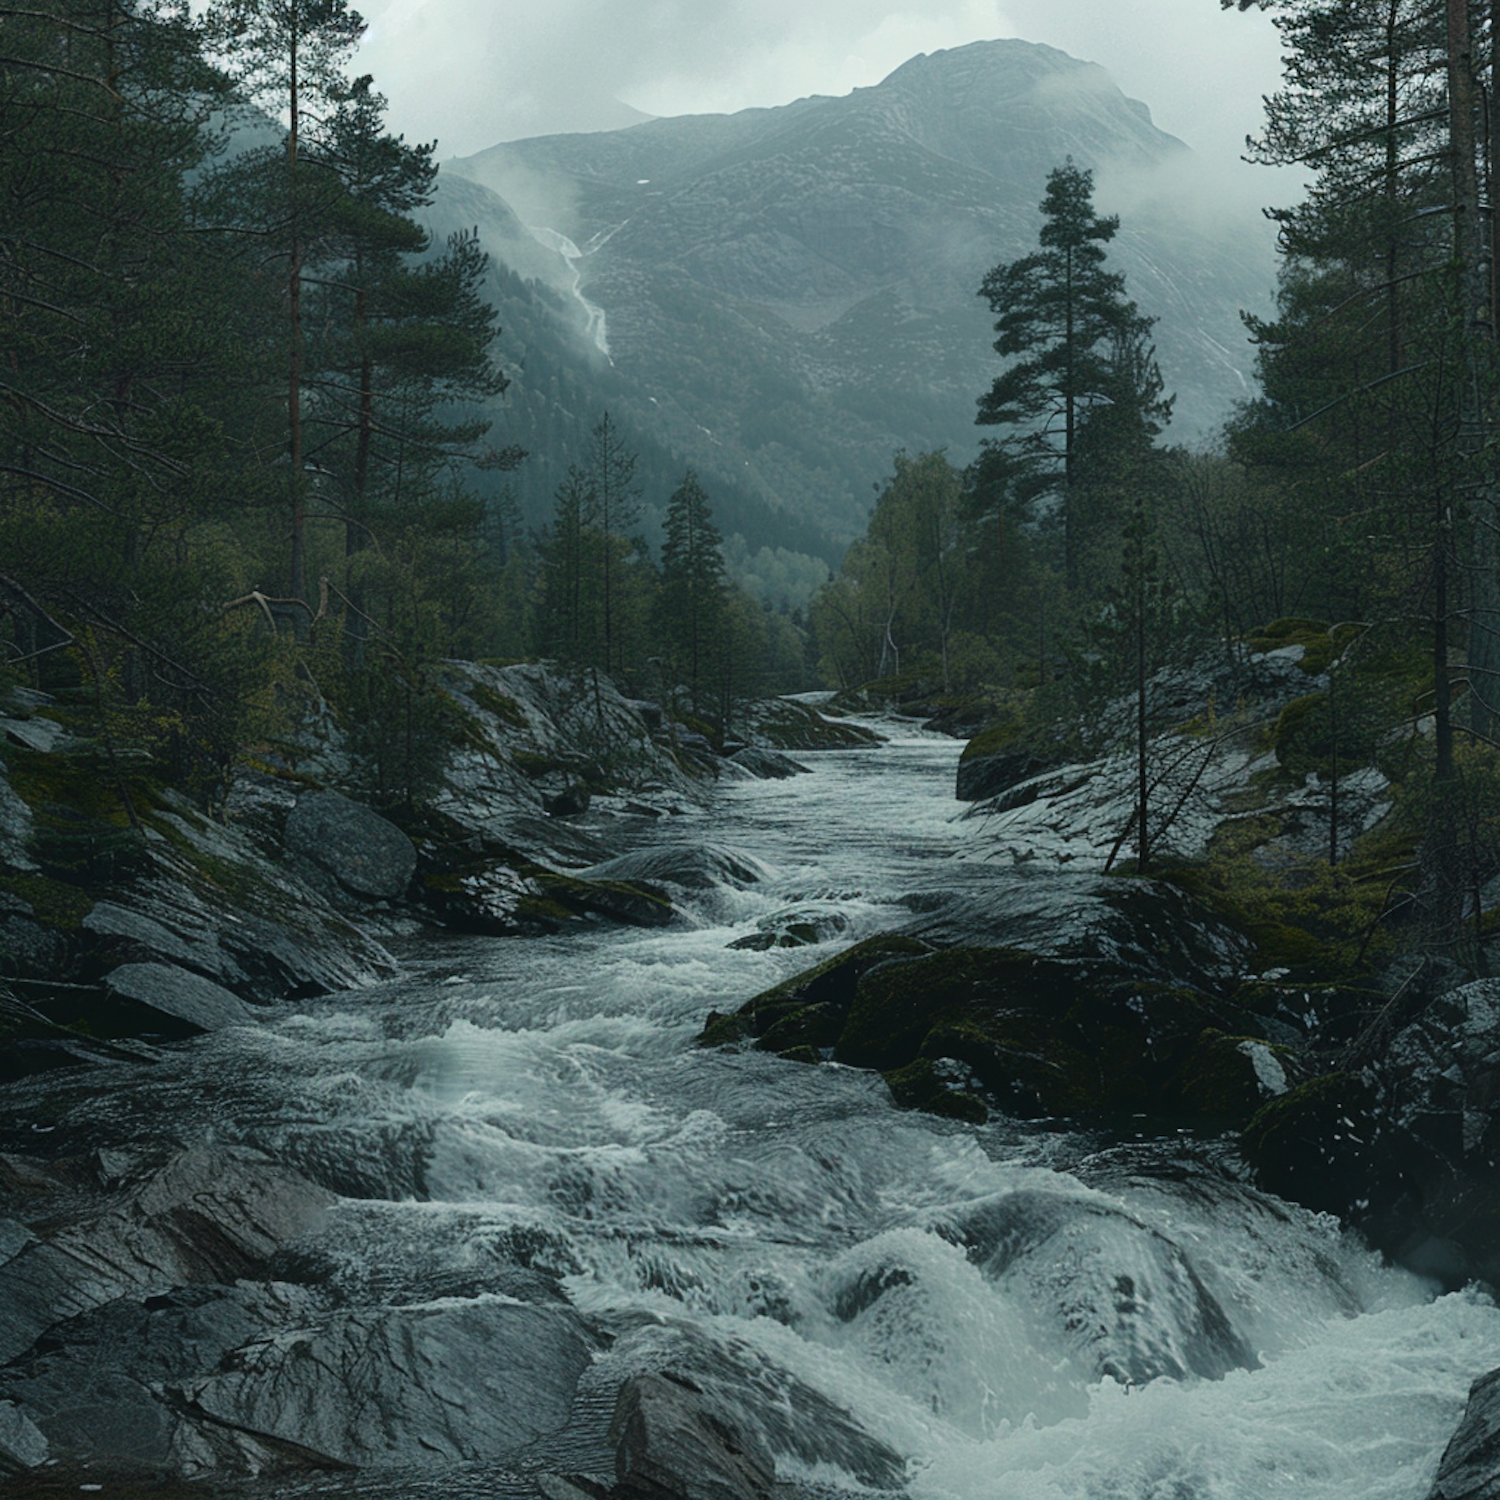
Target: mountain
<point>783,297</point>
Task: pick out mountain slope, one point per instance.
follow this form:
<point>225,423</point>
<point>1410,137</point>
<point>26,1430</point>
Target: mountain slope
<point>783,297</point>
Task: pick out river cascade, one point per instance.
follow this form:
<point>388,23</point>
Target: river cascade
<point>536,1187</point>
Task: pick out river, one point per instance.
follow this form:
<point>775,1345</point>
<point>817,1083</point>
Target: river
<point>1021,1313</point>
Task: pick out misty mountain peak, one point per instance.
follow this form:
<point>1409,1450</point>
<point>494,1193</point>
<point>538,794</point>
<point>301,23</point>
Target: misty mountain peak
<point>790,292</point>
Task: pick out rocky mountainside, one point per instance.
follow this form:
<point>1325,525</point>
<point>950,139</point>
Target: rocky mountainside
<point>783,297</point>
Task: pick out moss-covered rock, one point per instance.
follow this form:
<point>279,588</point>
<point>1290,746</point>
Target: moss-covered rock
<point>1309,1144</point>
<point>622,901</point>
<point>1231,1077</point>
<point>826,991</point>
<point>1030,1035</point>
<point>782,724</point>
<point>1025,1062</point>
<point>920,1085</point>
<point>1321,643</point>
<point>896,1005</point>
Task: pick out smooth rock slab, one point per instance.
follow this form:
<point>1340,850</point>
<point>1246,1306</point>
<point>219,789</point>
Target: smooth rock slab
<point>190,998</point>
<point>365,853</point>
<point>1470,1467</point>
<point>447,1382</point>
<point>208,1216</point>
<point>671,1444</point>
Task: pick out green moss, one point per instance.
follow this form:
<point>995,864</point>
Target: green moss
<point>896,1005</point>
<point>798,727</point>
<point>539,909</point>
<point>1000,735</point>
<point>55,902</point>
<point>720,1030</point>
<point>917,1086</point>
<point>1310,1144</point>
<point>836,977</point>
<point>1025,1060</point>
<point>1219,1080</point>
<point>1321,644</point>
<point>501,705</point>
<point>803,1026</point>
<point>800,1055</point>
<point>636,904</point>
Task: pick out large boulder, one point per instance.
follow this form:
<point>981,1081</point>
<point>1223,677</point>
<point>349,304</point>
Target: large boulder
<point>958,1031</point>
<point>187,1003</point>
<point>1146,927</point>
<point>206,1216</point>
<point>447,1382</point>
<point>991,773</point>
<point>368,855</point>
<point>1407,1146</point>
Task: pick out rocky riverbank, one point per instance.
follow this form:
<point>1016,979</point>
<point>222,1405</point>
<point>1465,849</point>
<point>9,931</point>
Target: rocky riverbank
<point>1123,1004</point>
<point>130,912</point>
<point>1253,992</point>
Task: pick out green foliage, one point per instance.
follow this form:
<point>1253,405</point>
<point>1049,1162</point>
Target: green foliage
<point>692,604</point>
<point>1083,391</point>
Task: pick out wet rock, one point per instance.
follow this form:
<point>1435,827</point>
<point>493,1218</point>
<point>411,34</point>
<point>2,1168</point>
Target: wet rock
<point>569,800</point>
<point>785,724</point>
<point>1130,1301</point>
<point>668,1444</point>
<point>490,898</point>
<point>989,775</point>
<point>443,1383</point>
<point>22,1445</point>
<point>692,867</point>
<point>813,1004</point>
<point>15,828</point>
<point>173,934</point>
<point>795,927</point>
<point>1143,927</point>
<point>700,1417</point>
<point>368,856</point>
<point>98,1391</point>
<point>1470,1466</point>
<point>208,1215</point>
<point>958,1030</point>
<point>307,948</point>
<point>767,765</point>
<point>632,902</point>
<point>196,1003</point>
<point>28,948</point>
<point>1408,1146</point>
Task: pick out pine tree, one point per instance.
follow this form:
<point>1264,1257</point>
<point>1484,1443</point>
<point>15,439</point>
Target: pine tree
<point>288,57</point>
<point>1062,317</point>
<point>691,605</point>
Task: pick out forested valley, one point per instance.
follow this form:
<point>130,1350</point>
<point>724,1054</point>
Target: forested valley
<point>255,472</point>
<point>1162,1068</point>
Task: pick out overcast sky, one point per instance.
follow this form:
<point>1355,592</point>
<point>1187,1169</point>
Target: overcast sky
<point>473,72</point>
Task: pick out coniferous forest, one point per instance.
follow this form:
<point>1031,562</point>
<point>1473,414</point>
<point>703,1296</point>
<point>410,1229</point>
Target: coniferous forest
<point>255,448</point>
<point>413,1073</point>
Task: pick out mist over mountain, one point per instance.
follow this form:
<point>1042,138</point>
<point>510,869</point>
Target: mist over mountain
<point>783,297</point>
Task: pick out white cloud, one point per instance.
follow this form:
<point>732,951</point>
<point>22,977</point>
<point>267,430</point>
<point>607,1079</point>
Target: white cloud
<point>472,72</point>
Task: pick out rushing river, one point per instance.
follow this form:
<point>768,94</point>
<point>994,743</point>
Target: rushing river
<point>1019,1313</point>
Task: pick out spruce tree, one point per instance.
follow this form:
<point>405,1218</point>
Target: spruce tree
<point>691,607</point>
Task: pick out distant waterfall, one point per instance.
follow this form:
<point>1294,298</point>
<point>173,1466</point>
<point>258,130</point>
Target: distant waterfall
<point>596,324</point>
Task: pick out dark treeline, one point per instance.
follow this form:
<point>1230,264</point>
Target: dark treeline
<point>244,478</point>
